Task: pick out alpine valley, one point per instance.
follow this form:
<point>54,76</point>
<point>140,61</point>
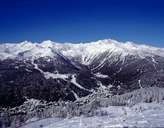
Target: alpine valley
<point>41,77</point>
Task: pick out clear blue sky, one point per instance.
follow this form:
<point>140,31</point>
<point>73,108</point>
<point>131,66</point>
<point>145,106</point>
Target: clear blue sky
<point>140,21</point>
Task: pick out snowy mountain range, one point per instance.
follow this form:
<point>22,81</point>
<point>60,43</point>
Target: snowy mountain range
<point>53,71</point>
<point>86,52</point>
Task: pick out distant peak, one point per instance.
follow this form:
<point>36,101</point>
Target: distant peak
<point>47,42</point>
<point>25,42</point>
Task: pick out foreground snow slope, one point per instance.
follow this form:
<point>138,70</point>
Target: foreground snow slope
<point>140,115</point>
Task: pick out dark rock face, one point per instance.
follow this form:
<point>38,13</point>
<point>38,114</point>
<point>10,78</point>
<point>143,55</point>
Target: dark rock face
<point>21,78</point>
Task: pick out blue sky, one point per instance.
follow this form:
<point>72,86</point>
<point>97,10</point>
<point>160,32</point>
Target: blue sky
<point>141,21</point>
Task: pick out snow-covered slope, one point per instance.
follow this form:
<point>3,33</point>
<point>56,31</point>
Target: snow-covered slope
<point>141,115</point>
<point>84,52</point>
<point>70,71</point>
<point>71,75</point>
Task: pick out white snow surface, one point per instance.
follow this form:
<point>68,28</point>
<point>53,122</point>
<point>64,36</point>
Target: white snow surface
<point>73,80</point>
<point>85,51</point>
<point>101,75</point>
<point>140,115</point>
<point>49,75</point>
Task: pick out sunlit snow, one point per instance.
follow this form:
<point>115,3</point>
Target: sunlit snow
<point>85,51</point>
<point>140,115</point>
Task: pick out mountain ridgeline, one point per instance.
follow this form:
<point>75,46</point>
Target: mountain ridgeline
<point>54,71</point>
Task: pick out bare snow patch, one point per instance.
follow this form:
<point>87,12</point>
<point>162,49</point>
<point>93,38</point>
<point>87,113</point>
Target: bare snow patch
<point>139,83</point>
<point>73,80</point>
<point>49,75</point>
<point>101,75</point>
